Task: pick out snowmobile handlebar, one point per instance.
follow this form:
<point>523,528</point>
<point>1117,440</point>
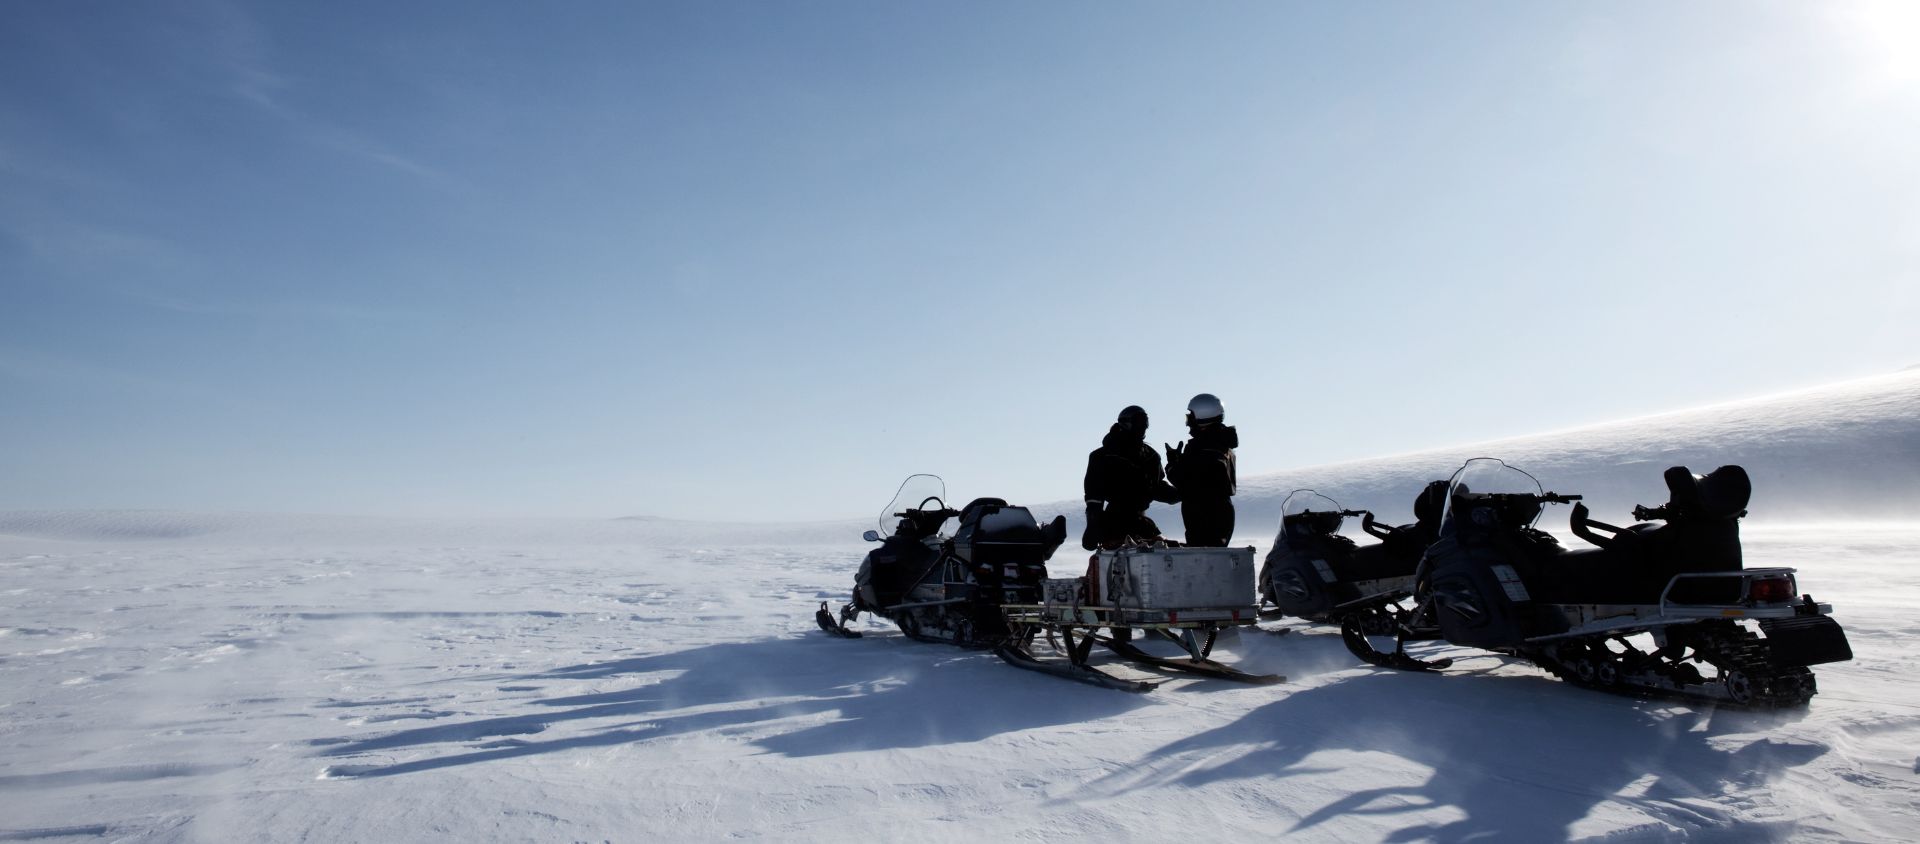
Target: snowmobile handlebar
<point>1369,525</point>
<point>944,513</point>
<point>1584,528</point>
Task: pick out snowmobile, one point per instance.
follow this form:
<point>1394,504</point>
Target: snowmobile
<point>1315,573</point>
<point>1661,607</point>
<point>949,589</point>
<point>986,586</point>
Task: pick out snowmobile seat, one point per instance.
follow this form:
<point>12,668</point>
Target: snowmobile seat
<point>1702,533</point>
<point>1411,541</point>
<point>994,532</point>
<point>1372,562</point>
<point>1721,494</point>
<point>1634,565</point>
<point>972,511</point>
<point>1408,542</point>
<point>1428,504</point>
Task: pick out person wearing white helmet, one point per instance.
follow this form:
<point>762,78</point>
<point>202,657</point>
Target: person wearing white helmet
<point>1202,470</point>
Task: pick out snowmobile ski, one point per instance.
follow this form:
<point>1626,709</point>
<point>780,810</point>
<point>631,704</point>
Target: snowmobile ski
<point>1189,665</point>
<point>1070,671</point>
<point>1382,619</point>
<point>1356,642</point>
<point>824,617</point>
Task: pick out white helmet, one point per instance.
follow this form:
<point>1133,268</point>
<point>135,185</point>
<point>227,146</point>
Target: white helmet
<point>1204,407</point>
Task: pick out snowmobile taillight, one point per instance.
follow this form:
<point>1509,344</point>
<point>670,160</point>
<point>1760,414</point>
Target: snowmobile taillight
<point>1770,590</point>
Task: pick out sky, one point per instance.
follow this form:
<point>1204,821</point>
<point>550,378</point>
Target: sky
<point>759,261</point>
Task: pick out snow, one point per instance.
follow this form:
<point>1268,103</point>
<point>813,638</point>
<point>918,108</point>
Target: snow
<point>216,677</point>
<point>1844,452</point>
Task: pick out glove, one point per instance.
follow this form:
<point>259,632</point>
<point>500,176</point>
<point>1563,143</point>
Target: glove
<point>1174,453</point>
<point>1087,540</point>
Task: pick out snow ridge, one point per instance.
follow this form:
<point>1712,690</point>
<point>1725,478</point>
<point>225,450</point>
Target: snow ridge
<point>1848,451</point>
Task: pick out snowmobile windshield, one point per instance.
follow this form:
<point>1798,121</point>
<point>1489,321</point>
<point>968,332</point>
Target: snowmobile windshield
<point>917,492</point>
<point>1306,507</point>
<point>1490,476</point>
<point>1306,514</point>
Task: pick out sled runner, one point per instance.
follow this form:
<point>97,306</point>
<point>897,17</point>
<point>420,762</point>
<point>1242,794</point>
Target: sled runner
<point>1182,595</point>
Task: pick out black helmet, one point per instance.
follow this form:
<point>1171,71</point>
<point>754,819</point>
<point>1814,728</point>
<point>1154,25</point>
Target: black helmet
<point>1135,418</point>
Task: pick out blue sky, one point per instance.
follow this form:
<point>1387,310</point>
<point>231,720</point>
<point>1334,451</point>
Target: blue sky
<point>760,261</point>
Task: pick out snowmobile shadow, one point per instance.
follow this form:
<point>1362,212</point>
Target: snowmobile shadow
<point>806,696</point>
<point>1518,760</point>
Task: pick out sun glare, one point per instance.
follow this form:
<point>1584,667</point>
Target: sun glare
<point>1886,34</point>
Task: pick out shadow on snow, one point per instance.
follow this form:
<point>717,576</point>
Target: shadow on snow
<point>881,692</point>
<point>1522,757</point>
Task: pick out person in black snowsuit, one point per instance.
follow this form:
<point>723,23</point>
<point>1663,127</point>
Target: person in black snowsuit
<point>1124,478</point>
<point>1202,470</point>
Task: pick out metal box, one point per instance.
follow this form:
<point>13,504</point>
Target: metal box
<point>1176,578</point>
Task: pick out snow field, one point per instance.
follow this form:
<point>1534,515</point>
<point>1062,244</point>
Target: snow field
<point>174,692</point>
<point>172,676</point>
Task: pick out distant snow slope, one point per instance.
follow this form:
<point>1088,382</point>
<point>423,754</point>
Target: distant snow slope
<point>1848,451</point>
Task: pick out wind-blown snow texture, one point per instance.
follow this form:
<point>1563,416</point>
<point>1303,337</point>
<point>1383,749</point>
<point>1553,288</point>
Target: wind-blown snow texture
<point>1845,452</point>
<point>182,677</point>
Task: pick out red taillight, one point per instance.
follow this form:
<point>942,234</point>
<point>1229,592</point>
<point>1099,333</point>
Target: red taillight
<point>1770,590</point>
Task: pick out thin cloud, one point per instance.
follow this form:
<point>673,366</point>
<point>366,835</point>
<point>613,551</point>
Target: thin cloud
<point>276,309</point>
<point>37,366</point>
<point>241,49</point>
<point>107,261</point>
<point>72,373</point>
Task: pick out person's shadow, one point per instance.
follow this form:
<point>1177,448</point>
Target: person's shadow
<point>883,691</point>
<point>1518,758</point>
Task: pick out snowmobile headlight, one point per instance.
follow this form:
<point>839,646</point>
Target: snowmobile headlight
<point>1770,590</point>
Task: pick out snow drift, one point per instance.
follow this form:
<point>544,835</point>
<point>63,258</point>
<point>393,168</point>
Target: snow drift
<point>1848,451</point>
